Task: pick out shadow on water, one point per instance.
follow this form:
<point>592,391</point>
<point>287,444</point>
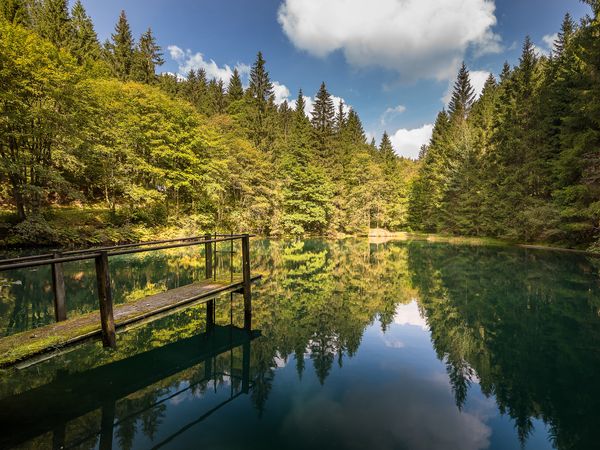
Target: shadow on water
<point>220,353</point>
<point>389,345</point>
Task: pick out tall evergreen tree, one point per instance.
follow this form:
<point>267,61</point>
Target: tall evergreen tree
<point>52,21</point>
<point>260,91</point>
<point>15,11</point>
<point>235,90</point>
<point>84,42</point>
<point>122,52</point>
<point>463,95</point>
<point>323,115</point>
<point>147,57</point>
<point>386,150</point>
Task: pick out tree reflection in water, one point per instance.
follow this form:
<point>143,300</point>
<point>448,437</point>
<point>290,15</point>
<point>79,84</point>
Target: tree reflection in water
<point>521,324</point>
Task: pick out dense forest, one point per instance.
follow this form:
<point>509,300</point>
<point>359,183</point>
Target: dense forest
<point>96,145</point>
<point>92,125</point>
<point>523,160</point>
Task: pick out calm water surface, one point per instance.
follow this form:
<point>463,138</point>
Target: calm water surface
<point>397,345</point>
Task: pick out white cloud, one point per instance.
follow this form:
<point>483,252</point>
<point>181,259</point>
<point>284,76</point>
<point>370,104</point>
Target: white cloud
<point>547,47</point>
<point>416,38</point>
<point>549,40</point>
<point>407,143</point>
<point>409,314</point>
<point>390,112</point>
<point>188,60</point>
<point>281,92</point>
<point>477,78</point>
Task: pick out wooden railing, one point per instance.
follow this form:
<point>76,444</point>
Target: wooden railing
<point>101,257</point>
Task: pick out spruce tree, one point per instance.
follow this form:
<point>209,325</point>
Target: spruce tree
<point>235,90</point>
<point>260,91</point>
<point>15,11</point>
<point>52,21</point>
<point>300,105</point>
<point>122,49</point>
<point>84,42</point>
<point>147,57</point>
<point>386,150</point>
<point>323,115</point>
<point>565,35</point>
<point>340,118</point>
<point>463,95</point>
<point>260,88</point>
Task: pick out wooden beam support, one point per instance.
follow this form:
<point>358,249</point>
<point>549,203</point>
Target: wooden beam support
<point>58,288</point>
<point>106,302</point>
<point>246,281</point>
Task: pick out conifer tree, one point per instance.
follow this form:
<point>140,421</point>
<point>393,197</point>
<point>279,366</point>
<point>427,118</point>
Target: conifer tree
<point>463,95</point>
<point>340,118</point>
<point>235,90</point>
<point>121,49</point>
<point>84,42</point>
<point>260,88</point>
<point>147,57</point>
<point>386,151</point>
<point>323,115</point>
<point>260,91</point>
<point>52,21</point>
<point>15,11</point>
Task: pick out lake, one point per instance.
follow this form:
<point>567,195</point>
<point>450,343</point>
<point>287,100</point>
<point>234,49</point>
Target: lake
<point>355,345</point>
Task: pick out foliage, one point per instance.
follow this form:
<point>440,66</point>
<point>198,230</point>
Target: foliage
<point>520,162</point>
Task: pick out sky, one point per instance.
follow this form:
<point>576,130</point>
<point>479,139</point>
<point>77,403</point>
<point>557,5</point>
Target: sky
<point>393,61</point>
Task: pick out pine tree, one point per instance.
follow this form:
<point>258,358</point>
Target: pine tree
<point>386,151</point>
<point>147,57</point>
<point>260,91</point>
<point>340,118</point>
<point>84,42</point>
<point>121,49</point>
<point>15,11</point>
<point>323,114</point>
<point>52,21</point>
<point>463,95</point>
<point>260,88</point>
<point>235,90</point>
<point>564,35</point>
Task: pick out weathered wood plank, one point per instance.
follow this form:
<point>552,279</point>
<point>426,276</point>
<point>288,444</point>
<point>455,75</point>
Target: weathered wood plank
<point>49,337</point>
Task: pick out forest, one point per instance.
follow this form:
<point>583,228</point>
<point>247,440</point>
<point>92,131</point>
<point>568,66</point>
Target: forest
<point>97,145</point>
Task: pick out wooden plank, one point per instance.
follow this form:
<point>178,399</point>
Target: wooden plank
<point>47,338</point>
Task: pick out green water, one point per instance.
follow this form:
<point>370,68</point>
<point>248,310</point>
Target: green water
<point>406,345</point>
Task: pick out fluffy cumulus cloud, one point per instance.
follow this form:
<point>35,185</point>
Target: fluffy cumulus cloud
<point>188,60</point>
<point>391,112</point>
<point>416,38</point>
<point>477,78</point>
<point>547,45</point>
<point>408,142</point>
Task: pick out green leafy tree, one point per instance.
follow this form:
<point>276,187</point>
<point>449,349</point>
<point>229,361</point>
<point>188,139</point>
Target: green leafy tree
<point>121,49</point>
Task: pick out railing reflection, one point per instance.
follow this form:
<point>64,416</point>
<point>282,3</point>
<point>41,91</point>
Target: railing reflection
<point>59,405</point>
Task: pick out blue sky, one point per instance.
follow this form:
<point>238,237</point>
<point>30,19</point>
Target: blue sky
<point>391,60</point>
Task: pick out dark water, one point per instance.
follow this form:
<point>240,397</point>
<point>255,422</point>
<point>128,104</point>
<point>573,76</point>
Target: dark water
<point>355,345</point>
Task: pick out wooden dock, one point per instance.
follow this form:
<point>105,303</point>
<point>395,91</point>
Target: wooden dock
<point>109,318</point>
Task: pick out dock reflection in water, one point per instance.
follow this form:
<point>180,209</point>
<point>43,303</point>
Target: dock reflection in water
<point>209,370</point>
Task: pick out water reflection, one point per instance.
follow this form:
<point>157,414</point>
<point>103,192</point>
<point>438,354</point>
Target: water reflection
<point>388,345</point>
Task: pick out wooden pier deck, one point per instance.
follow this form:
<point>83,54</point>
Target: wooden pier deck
<point>110,317</point>
<point>60,334</point>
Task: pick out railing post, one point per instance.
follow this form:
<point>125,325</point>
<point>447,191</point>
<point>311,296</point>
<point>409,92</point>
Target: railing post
<point>208,257</point>
<point>246,281</point>
<point>106,302</point>
<point>58,288</point>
